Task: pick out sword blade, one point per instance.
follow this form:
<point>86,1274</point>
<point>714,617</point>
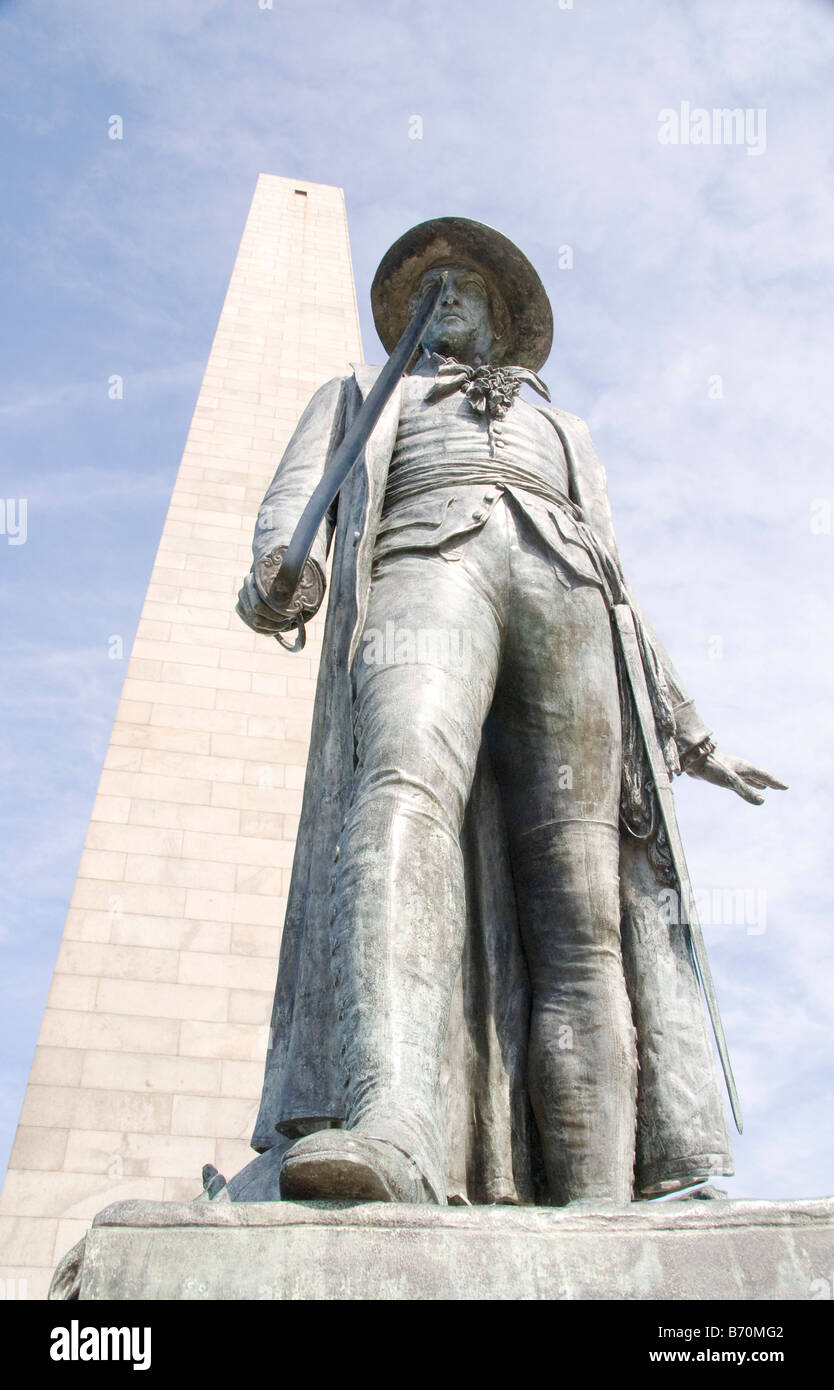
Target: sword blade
<point>334,475</point>
<point>637,680</point>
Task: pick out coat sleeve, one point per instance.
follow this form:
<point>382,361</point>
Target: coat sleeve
<point>316,436</point>
<point>589,487</point>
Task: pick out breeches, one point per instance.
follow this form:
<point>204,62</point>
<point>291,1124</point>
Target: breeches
<point>492,643</point>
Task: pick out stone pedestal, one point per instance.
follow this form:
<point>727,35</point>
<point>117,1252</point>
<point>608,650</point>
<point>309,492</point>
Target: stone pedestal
<point>322,1250</point>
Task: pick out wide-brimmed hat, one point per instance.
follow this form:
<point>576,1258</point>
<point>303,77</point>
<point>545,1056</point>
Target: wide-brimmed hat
<point>505,270</point>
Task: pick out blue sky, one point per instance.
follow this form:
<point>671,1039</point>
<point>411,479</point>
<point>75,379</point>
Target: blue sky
<point>693,331</point>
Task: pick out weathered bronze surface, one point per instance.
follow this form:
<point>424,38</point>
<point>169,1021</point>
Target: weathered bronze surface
<point>479,997</point>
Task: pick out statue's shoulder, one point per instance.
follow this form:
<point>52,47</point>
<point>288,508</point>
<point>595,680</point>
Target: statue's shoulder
<point>364,374</point>
<point>563,417</point>
<point>359,372</point>
<point>323,405</point>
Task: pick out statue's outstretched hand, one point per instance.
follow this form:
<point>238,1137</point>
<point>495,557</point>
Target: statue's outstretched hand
<point>739,776</point>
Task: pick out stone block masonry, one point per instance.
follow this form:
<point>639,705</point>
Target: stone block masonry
<point>150,1055</point>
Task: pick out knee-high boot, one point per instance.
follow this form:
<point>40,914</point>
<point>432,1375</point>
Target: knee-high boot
<point>398,921</point>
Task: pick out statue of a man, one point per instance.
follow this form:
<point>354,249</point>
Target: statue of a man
<point>483,993</point>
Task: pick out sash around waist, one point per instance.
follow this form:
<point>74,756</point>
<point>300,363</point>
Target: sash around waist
<point>408,484</point>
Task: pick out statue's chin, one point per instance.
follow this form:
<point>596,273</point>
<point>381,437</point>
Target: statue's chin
<point>451,345</point>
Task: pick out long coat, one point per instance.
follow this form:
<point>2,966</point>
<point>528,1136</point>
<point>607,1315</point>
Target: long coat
<point>492,1151</point>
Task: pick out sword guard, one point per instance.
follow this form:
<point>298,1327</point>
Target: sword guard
<point>304,602</point>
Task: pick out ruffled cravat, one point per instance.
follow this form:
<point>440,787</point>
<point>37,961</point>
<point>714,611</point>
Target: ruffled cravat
<point>489,390</point>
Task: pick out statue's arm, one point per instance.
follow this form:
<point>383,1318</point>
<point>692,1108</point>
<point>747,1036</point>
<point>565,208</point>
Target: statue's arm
<point>690,730</point>
<point>316,435</point>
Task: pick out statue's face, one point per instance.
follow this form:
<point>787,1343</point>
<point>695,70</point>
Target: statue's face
<point>462,326</point>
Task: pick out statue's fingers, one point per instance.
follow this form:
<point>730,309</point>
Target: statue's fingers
<point>759,778</point>
<point>267,622</point>
<point>756,776</point>
<point>258,624</point>
<point>243,608</point>
<point>254,612</point>
<point>745,792</point>
<point>753,777</point>
<point>250,597</point>
<point>265,628</point>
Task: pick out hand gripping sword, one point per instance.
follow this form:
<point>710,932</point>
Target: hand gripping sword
<point>637,680</point>
<point>334,475</point>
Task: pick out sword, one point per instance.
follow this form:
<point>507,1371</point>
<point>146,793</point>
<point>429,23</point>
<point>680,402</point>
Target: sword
<point>637,680</point>
<point>334,475</point>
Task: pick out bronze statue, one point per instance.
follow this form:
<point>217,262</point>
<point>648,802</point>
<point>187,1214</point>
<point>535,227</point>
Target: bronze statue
<point>479,998</point>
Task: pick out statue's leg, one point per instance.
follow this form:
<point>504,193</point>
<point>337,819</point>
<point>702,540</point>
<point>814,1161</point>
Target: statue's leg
<point>424,679</point>
<point>556,738</point>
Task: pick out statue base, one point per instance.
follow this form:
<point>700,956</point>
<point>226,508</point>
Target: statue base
<point>345,1250</point>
